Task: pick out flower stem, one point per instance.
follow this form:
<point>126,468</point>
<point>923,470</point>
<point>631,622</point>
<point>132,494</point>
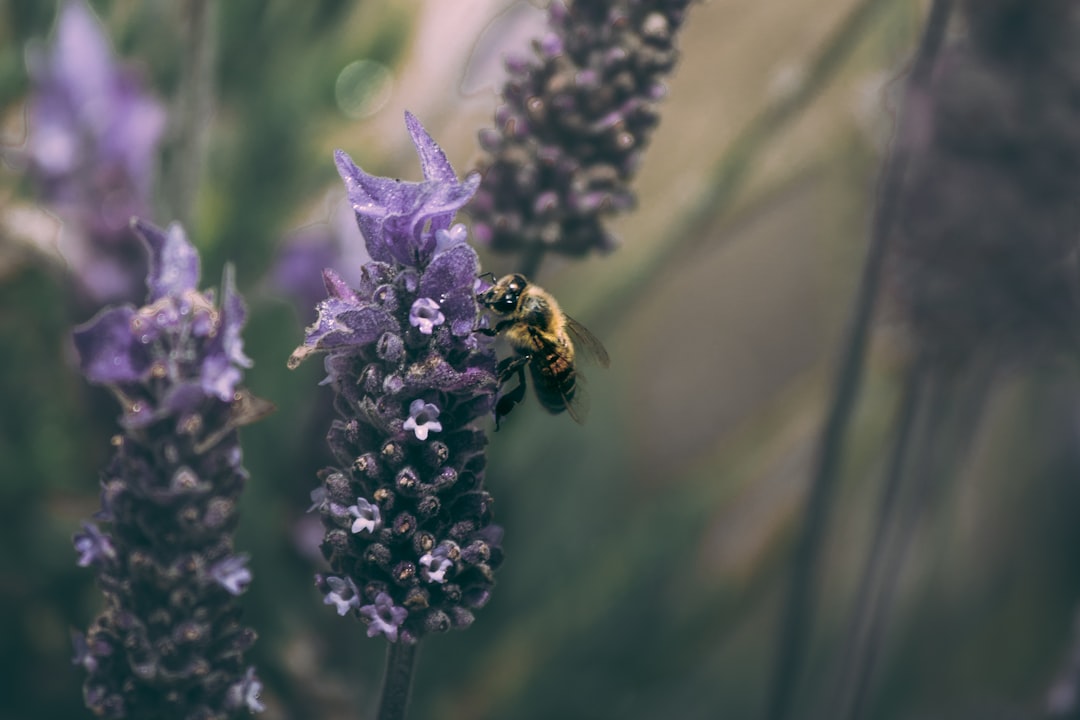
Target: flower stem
<point>397,683</point>
<point>802,591</point>
<point>880,562</point>
<point>194,104</point>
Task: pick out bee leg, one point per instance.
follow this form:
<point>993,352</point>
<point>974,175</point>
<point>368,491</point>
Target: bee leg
<point>506,369</point>
<point>493,331</point>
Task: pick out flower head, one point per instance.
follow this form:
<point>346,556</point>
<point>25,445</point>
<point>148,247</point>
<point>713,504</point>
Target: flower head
<point>575,118</point>
<point>412,378</point>
<point>400,220</point>
<point>168,643</point>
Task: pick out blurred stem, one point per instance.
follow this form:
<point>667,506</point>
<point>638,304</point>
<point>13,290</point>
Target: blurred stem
<point>397,683</point>
<point>948,426</point>
<point>802,591</point>
<point>193,107</point>
<point>733,168</point>
<point>875,584</point>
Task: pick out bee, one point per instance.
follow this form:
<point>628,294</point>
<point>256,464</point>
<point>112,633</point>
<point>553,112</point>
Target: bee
<point>543,338</point>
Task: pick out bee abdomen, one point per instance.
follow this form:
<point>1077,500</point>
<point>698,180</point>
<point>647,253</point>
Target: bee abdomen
<point>554,380</point>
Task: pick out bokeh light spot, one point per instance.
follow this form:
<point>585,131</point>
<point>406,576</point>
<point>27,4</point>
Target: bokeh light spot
<point>362,88</point>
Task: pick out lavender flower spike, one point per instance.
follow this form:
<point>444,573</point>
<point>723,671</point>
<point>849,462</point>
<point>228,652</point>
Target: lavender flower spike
<point>412,378</point>
<point>575,119</point>
<point>169,643</point>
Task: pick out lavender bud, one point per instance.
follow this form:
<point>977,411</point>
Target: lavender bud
<point>587,97</point>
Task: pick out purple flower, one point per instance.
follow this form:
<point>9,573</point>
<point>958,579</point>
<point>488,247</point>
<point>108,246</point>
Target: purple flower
<point>244,695</point>
<point>168,643</point>
<point>305,253</point>
<point>422,419</point>
<point>367,516</point>
<point>232,574</point>
<point>91,149</point>
<point>383,617</point>
<point>400,220</point>
<point>93,547</point>
<point>412,380</point>
<point>435,564</point>
<point>341,593</point>
<point>425,315</point>
<point>575,118</point>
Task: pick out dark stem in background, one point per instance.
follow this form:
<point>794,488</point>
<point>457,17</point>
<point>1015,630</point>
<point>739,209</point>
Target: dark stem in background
<point>802,591</point>
<point>871,578</point>
<point>949,424</point>
<point>193,106</point>
<point>397,683</point>
<point>883,562</point>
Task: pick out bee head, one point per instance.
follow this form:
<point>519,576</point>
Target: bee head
<point>503,297</point>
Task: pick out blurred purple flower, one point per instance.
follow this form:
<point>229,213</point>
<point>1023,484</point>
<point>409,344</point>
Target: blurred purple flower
<point>91,149</point>
<point>983,263</point>
<point>335,244</point>
<point>404,375</point>
<point>169,643</point>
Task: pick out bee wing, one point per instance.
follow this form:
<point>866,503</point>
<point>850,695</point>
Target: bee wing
<point>587,342</point>
<point>577,407</point>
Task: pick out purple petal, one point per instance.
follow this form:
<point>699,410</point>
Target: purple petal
<point>432,159</point>
<point>366,194</point>
<point>82,58</point>
<point>93,546</point>
<point>232,574</point>
<point>343,324</point>
<point>459,307</point>
<point>455,268</point>
<point>108,351</point>
<point>337,288</point>
<point>174,263</point>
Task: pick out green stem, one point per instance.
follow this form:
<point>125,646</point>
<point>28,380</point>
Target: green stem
<point>397,683</point>
<point>193,106</point>
<point>874,585</point>
<point>802,591</point>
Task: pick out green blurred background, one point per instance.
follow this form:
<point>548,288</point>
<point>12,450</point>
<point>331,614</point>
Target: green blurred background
<point>648,551</point>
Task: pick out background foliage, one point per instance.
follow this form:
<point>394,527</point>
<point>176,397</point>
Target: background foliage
<point>647,552</point>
